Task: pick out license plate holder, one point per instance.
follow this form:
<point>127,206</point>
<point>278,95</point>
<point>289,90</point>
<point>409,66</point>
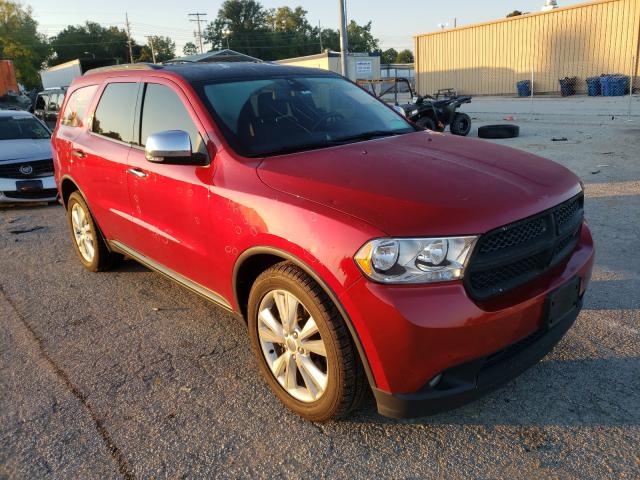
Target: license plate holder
<point>562,301</point>
<point>29,185</point>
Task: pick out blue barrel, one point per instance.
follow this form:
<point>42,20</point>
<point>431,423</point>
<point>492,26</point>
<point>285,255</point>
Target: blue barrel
<point>524,88</point>
<point>567,86</point>
<point>605,85</point>
<point>619,85</point>
<point>593,86</point>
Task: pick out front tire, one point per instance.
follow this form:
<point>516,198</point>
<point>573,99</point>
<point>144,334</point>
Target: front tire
<point>89,245</point>
<point>461,124</point>
<point>302,345</point>
<point>426,122</point>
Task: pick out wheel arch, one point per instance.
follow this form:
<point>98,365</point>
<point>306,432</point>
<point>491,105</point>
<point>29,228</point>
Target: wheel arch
<point>252,262</point>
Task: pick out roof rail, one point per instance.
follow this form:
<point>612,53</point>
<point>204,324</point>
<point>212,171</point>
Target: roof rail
<point>124,67</point>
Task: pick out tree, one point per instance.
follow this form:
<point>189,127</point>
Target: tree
<point>164,47</point>
<point>190,49</point>
<point>515,13</point>
<point>405,56</point>
<point>21,42</point>
<point>389,56</point>
<point>360,37</point>
<point>91,39</point>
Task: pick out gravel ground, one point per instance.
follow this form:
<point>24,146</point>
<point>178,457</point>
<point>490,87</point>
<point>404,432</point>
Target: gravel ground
<point>124,374</point>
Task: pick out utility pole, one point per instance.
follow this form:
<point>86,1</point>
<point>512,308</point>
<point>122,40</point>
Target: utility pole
<point>320,35</point>
<point>197,19</point>
<point>129,37</point>
<point>153,50</point>
<point>344,42</point>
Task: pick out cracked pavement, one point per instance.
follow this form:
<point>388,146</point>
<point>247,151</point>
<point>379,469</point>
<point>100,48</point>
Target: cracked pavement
<point>126,375</point>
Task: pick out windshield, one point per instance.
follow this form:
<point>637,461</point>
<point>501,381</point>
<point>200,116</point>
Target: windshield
<point>22,128</point>
<point>280,115</point>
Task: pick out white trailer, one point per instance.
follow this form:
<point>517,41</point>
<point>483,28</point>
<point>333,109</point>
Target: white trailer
<point>61,76</point>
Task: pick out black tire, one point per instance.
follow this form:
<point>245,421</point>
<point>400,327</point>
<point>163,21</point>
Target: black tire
<point>102,259</point>
<point>461,124</point>
<point>426,122</point>
<point>499,131</point>
<point>346,380</point>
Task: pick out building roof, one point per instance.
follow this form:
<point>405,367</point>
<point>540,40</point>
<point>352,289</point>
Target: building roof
<point>224,55</point>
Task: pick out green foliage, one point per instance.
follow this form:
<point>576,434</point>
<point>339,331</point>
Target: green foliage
<point>405,56</point>
<point>21,42</point>
<point>190,48</point>
<point>91,39</point>
<point>389,56</point>
<point>165,49</point>
<point>247,27</point>
<point>515,13</point>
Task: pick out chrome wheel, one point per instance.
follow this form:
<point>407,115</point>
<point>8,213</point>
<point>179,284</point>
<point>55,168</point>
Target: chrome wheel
<point>82,232</point>
<point>292,346</point>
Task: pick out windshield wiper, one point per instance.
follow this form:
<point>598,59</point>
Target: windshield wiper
<point>364,136</point>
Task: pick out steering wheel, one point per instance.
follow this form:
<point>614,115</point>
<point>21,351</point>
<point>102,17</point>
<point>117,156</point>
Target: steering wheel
<point>325,118</point>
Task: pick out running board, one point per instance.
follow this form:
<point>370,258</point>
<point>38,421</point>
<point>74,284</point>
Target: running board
<point>176,277</point>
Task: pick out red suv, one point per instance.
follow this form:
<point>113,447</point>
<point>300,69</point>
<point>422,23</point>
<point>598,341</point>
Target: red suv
<point>361,250</point>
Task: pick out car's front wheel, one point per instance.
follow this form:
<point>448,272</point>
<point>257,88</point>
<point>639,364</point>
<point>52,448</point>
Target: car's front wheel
<point>89,245</point>
<point>302,345</point>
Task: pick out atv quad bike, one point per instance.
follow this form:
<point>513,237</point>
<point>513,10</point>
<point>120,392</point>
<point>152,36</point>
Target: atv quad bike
<point>428,112</point>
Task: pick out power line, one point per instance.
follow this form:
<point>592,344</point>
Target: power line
<point>197,19</point>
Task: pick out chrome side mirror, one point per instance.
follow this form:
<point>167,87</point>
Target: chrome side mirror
<point>171,146</point>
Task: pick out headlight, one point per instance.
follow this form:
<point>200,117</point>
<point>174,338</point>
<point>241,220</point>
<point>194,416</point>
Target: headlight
<point>415,260</point>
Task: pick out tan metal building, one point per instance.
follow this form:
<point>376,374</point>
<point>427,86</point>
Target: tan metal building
<point>489,58</point>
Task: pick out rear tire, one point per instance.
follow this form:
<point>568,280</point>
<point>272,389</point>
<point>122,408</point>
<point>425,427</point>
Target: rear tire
<point>87,240</point>
<point>333,358</point>
<point>461,124</point>
<point>426,122</point>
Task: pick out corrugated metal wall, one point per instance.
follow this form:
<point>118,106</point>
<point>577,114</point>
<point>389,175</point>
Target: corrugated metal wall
<point>488,59</point>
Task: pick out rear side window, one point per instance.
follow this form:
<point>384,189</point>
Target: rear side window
<point>163,110</point>
<point>76,109</point>
<point>115,112</point>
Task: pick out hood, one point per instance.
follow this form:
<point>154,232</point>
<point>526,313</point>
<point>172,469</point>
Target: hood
<point>424,183</point>
<point>27,149</point>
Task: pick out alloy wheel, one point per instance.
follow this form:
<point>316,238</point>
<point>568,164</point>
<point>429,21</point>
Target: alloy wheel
<point>292,346</point>
<point>82,232</point>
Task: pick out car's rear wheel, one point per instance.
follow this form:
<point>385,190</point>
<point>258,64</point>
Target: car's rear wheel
<point>302,345</point>
<point>89,245</point>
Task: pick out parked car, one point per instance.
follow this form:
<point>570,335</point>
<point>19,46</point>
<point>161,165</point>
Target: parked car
<point>26,164</point>
<point>48,103</point>
<point>361,250</point>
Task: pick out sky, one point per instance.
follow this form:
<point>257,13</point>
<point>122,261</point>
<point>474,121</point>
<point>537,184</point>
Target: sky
<point>395,22</point>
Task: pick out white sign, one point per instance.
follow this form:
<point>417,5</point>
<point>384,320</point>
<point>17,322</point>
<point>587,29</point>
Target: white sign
<point>363,66</point>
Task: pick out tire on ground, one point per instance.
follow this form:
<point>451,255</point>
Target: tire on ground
<point>347,383</point>
<point>461,124</point>
<point>499,131</point>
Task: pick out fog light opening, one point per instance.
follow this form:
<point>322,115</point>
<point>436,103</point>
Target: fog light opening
<point>435,380</point>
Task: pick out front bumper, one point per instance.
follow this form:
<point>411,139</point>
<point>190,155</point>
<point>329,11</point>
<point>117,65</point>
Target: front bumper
<point>467,382</point>
<point>410,334</point>
<point>9,192</point>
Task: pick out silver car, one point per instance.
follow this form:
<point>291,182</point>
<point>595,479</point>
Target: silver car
<point>26,165</point>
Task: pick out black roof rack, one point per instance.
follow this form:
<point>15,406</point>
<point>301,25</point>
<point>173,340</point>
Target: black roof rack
<point>125,67</point>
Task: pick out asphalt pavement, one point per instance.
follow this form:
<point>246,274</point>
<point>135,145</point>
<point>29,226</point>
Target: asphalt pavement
<point>127,375</point>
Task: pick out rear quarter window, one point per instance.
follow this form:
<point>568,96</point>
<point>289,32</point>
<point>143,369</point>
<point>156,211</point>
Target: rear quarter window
<point>115,112</point>
<point>76,109</point>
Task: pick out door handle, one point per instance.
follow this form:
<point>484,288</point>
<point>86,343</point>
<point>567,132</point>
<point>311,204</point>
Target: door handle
<point>137,172</point>
<point>78,153</point>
